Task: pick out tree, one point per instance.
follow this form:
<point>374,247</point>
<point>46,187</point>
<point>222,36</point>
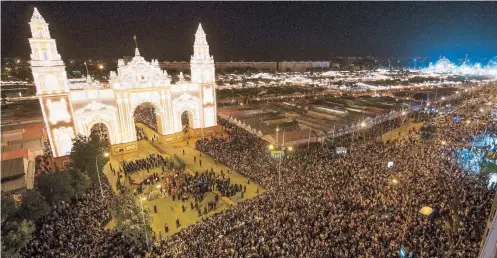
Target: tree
<point>56,186</point>
<point>130,216</point>
<point>33,206</point>
<point>80,182</point>
<point>16,239</point>
<point>85,151</point>
<point>9,207</point>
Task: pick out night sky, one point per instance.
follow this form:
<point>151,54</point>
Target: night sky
<point>258,31</point>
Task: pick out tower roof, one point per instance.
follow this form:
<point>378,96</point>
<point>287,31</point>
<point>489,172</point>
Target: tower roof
<point>200,30</point>
<point>37,18</point>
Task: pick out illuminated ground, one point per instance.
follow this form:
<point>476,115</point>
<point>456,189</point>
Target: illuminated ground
<point>401,132</point>
<point>169,210</point>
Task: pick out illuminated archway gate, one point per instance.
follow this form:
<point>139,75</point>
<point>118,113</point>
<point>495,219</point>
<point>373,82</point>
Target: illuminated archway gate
<point>69,110</point>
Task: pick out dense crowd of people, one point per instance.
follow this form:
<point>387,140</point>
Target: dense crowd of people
<point>140,134</point>
<point>351,205</point>
<point>192,188</point>
<point>328,204</point>
<point>146,115</point>
<point>76,229</point>
<point>150,162</point>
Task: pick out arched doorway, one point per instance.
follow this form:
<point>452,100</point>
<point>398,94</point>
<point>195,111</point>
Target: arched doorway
<point>101,132</point>
<point>146,120</point>
<point>186,120</point>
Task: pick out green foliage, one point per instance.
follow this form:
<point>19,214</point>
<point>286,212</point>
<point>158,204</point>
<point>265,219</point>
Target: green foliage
<point>16,239</point>
<point>84,153</point>
<point>80,182</point>
<point>9,208</point>
<point>56,186</point>
<point>130,217</point>
<point>33,206</point>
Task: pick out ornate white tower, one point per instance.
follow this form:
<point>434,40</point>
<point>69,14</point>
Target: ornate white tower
<point>202,63</point>
<point>202,69</point>
<point>49,74</point>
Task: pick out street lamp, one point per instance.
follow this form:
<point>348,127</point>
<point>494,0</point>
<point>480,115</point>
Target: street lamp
<point>277,136</point>
<point>395,181</point>
<point>143,217</point>
<point>363,124</point>
<point>105,154</point>
<point>444,142</point>
<point>271,147</point>
<point>101,67</point>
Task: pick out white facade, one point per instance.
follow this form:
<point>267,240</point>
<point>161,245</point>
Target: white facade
<point>68,112</point>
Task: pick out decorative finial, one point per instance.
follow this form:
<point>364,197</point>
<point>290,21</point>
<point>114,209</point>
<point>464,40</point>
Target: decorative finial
<point>200,30</point>
<point>137,52</point>
<point>37,16</point>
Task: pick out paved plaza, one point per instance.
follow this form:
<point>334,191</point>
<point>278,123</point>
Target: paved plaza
<point>167,209</point>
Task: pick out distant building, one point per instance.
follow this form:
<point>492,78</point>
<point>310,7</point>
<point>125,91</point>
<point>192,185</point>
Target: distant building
<point>301,66</point>
<point>179,66</point>
<point>19,150</point>
<point>269,66</point>
<point>293,66</point>
<point>14,173</point>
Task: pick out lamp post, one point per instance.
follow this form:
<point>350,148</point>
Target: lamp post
<point>271,147</point>
<point>105,154</point>
<point>101,67</point>
<point>277,130</point>
<point>143,217</point>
